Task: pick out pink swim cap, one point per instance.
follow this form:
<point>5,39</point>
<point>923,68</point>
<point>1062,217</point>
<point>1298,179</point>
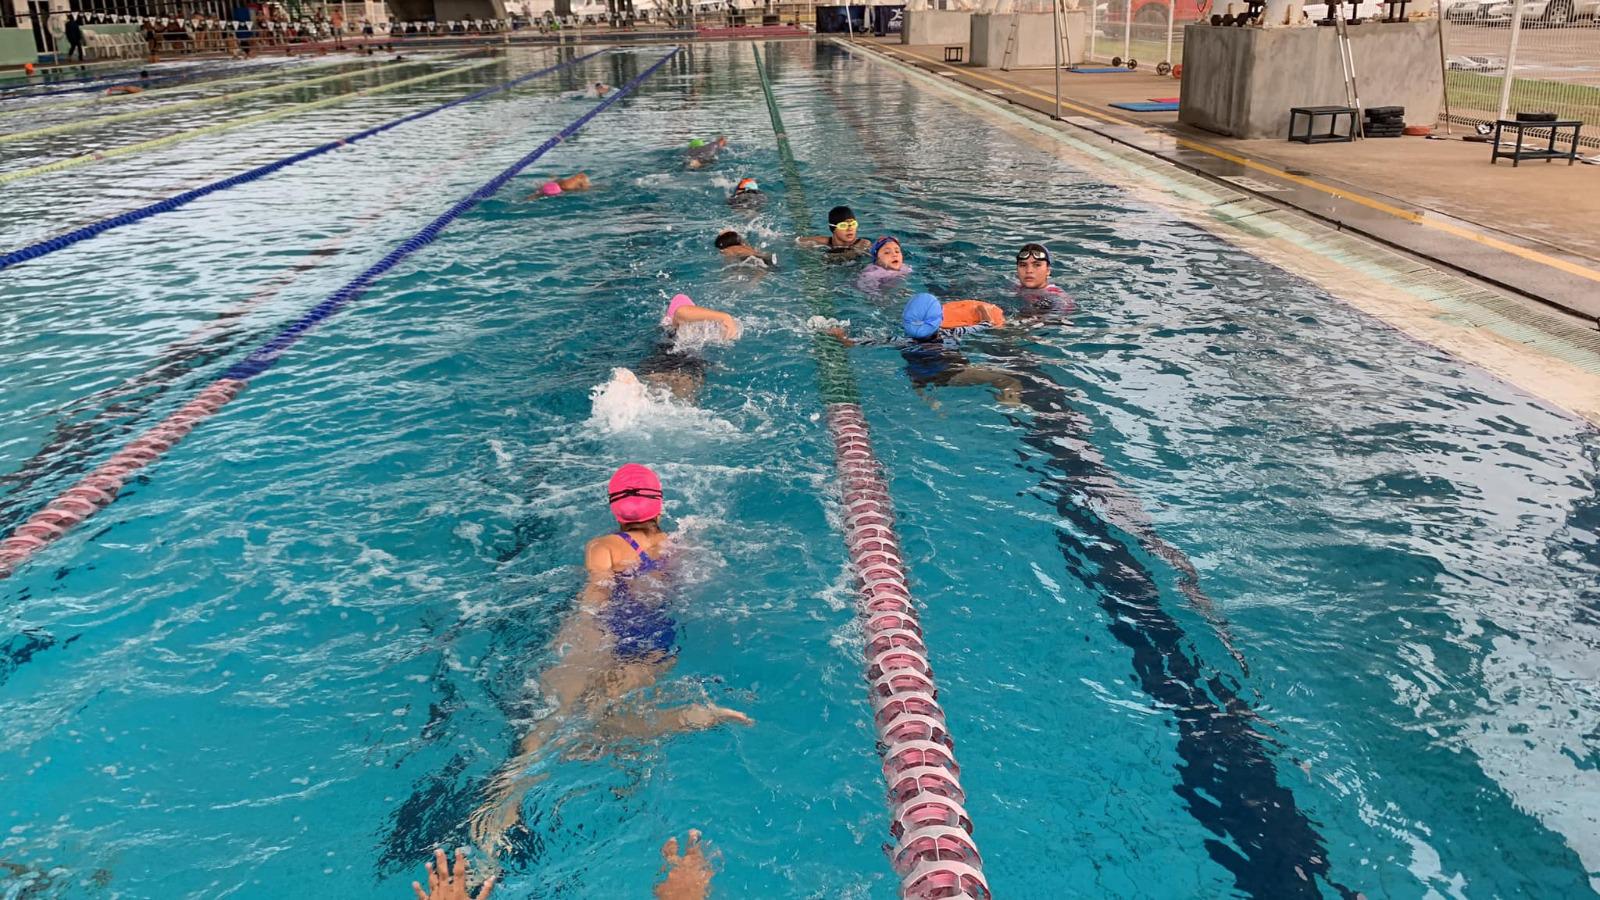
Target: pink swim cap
<point>635,493</point>
<point>678,302</point>
<point>550,189</point>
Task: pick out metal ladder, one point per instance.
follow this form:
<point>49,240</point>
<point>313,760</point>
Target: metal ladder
<point>1347,67</point>
<point>1059,10</point>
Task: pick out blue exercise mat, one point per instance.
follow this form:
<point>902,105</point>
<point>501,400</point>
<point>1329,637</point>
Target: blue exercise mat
<point>1147,106</point>
<point>1100,71</point>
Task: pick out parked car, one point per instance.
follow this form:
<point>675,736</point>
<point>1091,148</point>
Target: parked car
<point>1469,11</point>
<point>1554,13</point>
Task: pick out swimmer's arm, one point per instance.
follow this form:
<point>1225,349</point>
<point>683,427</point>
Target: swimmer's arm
<point>598,564</point>
<point>812,241</point>
<point>686,314</point>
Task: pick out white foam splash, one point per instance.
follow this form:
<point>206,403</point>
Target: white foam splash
<point>626,404</point>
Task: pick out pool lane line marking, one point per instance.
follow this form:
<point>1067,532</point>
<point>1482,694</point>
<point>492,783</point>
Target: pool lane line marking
<point>257,118</point>
<point>93,229</point>
<point>1530,255</point>
<point>99,488</point>
<point>935,851</point>
<point>63,454</point>
<point>94,122</point>
<point>162,92</point>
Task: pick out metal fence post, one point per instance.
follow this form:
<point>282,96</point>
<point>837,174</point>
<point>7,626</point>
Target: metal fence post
<point>1172,6</point>
<point>1127,29</point>
<point>1511,59</point>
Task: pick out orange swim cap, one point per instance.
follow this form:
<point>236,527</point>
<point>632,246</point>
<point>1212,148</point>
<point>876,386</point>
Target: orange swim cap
<point>27,68</point>
<point>970,312</point>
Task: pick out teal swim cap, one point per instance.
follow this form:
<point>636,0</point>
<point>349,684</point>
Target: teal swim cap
<point>922,316</point>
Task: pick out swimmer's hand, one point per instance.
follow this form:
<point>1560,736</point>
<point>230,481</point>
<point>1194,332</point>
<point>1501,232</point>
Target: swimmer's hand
<point>842,336</point>
<point>689,875</point>
<point>730,327</point>
<point>447,884</point>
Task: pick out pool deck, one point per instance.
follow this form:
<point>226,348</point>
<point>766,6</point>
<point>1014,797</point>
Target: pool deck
<point>1533,230</point>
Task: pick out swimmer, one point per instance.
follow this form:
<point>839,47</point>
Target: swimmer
<point>683,371</point>
<point>601,89</point>
<point>747,195</point>
<point>558,186</point>
<point>932,342</point>
<point>704,153</point>
<point>618,640</point>
<point>447,882</point>
<point>841,241</point>
<point>124,89</point>
<point>734,249</point>
<point>1038,295</point>
<point>888,263</point>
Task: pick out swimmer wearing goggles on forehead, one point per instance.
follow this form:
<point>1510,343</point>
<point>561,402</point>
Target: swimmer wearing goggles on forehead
<point>1033,269</point>
<point>841,241</point>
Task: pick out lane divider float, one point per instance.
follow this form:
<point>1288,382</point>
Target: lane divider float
<point>935,855</point>
<point>99,488</point>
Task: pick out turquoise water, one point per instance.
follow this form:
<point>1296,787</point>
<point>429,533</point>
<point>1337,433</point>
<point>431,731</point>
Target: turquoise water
<point>293,650</point>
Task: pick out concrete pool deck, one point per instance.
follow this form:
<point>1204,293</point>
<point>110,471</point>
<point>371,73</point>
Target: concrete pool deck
<point>1534,229</point>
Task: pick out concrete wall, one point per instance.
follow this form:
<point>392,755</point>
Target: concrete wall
<point>16,46</point>
<point>1035,39</point>
<point>934,26</point>
<point>1242,81</point>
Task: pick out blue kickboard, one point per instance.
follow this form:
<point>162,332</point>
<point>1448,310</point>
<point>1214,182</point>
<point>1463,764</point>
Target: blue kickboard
<point>1100,71</point>
<point>1148,106</point>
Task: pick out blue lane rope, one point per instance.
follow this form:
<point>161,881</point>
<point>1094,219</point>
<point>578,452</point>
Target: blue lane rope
<point>140,82</point>
<point>61,242</point>
<point>267,355</point>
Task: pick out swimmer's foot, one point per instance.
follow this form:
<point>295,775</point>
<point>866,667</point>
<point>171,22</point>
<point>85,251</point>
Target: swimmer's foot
<point>689,875</point>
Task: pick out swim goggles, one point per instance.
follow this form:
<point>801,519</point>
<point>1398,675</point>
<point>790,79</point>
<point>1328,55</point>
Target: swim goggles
<point>1033,252</point>
<point>847,223</point>
<point>647,493</point>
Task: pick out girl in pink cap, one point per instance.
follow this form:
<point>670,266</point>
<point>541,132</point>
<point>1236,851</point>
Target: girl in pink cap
<point>679,370</point>
<point>620,639</point>
<point>555,187</point>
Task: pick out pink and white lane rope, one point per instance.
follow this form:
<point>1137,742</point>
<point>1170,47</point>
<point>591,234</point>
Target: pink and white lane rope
<point>936,857</point>
<point>96,490</point>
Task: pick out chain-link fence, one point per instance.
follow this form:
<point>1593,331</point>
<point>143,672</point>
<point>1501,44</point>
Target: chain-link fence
<point>1549,48</point>
<point>1149,32</point>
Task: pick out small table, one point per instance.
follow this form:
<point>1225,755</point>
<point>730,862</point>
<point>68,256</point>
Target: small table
<point>955,54</point>
<point>1549,152</point>
<point>1312,113</point>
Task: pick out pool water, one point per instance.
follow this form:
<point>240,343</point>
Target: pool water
<point>293,650</point>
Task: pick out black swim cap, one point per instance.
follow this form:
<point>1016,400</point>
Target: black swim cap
<point>839,214</point>
<point>728,239</point>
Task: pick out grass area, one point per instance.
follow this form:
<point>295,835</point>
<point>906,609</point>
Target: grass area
<point>1474,92</point>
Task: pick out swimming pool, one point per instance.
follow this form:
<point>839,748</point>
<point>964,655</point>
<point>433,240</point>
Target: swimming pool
<point>295,646</point>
